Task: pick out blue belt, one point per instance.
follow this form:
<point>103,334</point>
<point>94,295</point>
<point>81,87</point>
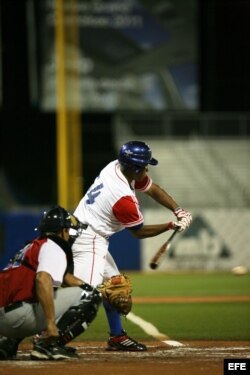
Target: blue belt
<point>13,306</point>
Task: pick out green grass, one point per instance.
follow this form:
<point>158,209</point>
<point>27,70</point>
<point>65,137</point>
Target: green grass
<point>185,321</point>
<point>189,284</point>
<point>216,321</point>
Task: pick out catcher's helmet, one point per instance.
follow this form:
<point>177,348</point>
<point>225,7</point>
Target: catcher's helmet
<point>136,155</point>
<point>57,219</point>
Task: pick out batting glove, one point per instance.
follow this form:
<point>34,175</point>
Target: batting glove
<point>184,218</point>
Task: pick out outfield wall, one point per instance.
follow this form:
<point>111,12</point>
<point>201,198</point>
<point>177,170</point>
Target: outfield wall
<point>18,227</point>
<point>218,239</point>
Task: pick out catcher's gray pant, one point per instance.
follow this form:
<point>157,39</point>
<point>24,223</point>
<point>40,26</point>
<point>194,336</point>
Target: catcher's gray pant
<point>28,319</point>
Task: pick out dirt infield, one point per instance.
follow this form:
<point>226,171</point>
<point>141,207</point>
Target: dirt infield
<point>194,358</point>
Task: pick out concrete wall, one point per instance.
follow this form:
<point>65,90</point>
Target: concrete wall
<point>218,239</point>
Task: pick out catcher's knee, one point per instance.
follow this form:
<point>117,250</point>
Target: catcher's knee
<point>78,317</point>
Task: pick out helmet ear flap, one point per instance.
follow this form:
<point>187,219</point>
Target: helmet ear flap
<point>136,168</point>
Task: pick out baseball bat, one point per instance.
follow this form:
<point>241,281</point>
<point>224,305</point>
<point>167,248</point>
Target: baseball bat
<point>155,261</point>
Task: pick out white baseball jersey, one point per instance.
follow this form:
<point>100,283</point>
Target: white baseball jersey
<point>52,260</point>
<point>110,204</point>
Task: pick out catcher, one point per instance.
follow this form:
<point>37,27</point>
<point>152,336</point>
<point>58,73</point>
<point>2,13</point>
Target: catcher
<point>31,297</point>
<point>110,205</point>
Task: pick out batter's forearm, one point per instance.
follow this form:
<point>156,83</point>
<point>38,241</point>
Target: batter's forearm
<point>162,197</point>
<point>152,230</point>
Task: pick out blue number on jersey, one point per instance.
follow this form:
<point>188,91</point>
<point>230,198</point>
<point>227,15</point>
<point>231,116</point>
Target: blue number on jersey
<point>17,259</point>
<point>93,193</point>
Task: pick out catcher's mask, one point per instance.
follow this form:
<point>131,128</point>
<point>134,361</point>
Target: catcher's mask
<point>57,219</point>
<point>136,155</point>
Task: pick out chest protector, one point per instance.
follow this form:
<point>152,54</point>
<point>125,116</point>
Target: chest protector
<point>17,280</point>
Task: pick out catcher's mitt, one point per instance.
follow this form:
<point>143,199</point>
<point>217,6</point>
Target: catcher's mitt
<point>116,291</point>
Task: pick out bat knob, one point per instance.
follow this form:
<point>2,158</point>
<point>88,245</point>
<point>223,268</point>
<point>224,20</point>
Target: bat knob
<point>153,266</point>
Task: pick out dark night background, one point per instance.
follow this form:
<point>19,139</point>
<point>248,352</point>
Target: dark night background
<point>27,148</point>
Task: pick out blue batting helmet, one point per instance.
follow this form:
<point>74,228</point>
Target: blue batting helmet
<point>136,154</point>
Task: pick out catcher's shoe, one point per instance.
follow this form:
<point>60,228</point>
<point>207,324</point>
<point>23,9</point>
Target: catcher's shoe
<point>125,343</point>
<point>8,348</point>
<point>70,349</point>
<point>45,350</point>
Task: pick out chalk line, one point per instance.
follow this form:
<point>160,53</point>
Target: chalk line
<point>151,330</point>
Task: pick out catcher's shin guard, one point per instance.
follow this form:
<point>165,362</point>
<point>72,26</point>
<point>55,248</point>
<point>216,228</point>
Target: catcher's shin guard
<point>78,317</point>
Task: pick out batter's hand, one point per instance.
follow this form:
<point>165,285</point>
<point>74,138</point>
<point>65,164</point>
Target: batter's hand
<point>184,218</point>
<point>173,225</point>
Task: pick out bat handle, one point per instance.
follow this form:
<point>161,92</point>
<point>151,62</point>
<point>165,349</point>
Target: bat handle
<point>173,234</point>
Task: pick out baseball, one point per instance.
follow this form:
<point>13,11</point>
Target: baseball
<point>239,270</point>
